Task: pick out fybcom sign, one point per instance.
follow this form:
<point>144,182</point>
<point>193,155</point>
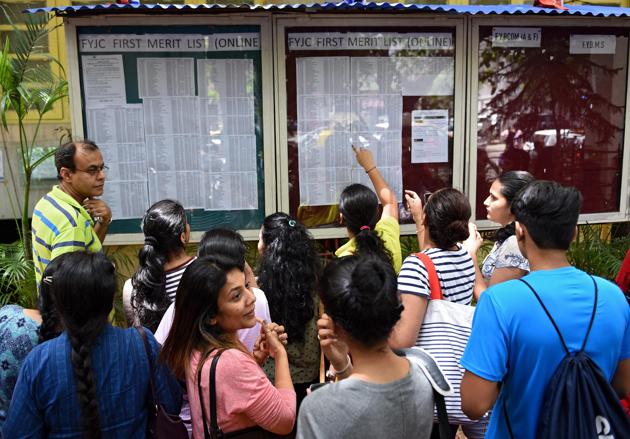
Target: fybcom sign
<point>516,37</point>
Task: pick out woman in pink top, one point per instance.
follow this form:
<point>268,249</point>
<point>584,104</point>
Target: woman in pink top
<point>212,304</point>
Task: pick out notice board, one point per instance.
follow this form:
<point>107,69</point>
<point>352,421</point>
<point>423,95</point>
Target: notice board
<point>177,113</point>
<point>552,101</point>
<point>391,90</point>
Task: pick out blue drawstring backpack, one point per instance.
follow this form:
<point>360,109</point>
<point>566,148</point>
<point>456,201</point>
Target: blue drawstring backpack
<point>579,402</point>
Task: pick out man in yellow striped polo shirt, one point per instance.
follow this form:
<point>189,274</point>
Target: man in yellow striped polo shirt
<point>69,218</point>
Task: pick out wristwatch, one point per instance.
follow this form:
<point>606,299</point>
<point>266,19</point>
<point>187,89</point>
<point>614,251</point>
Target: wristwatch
<point>99,220</point>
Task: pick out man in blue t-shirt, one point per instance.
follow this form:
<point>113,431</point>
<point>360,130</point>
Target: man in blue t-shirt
<point>513,350</point>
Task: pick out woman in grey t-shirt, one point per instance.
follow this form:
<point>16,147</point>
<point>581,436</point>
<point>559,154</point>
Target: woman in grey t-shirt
<point>382,395</point>
<point>505,261</point>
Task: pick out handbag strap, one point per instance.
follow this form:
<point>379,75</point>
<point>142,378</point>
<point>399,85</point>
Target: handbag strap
<point>215,431</point>
<point>147,349</point>
<point>443,425</point>
<point>434,281</point>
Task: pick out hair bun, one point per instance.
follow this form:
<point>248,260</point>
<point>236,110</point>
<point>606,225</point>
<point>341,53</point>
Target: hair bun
<point>458,230</point>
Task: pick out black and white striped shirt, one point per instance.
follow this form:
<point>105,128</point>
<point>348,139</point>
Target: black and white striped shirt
<point>455,271</point>
<point>173,277</point>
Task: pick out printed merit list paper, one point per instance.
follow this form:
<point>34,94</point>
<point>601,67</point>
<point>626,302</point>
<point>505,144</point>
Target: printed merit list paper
<point>344,100</point>
<point>192,137</point>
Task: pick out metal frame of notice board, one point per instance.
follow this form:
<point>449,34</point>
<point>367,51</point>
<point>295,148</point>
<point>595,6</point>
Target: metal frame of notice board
<point>246,218</point>
<point>472,108</point>
<point>375,24</point>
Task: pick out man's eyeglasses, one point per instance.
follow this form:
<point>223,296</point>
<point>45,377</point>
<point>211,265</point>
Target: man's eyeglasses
<point>94,170</point>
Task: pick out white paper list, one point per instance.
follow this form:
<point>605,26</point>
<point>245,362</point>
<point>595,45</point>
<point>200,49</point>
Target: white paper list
<point>126,199</point>
<point>429,136</point>
<point>119,132</point>
<point>183,186</point>
<point>343,101</point>
<point>227,128</point>
<point>232,191</point>
<point>231,153</point>
<point>225,78</point>
<point>176,153</point>
<point>126,161</point>
<point>103,80</point>
<point>170,116</point>
<point>427,76</point>
<point>115,124</point>
<point>166,77</point>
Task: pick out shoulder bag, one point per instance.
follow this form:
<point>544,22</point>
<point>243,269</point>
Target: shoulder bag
<point>215,432</point>
<point>161,425</point>
<point>444,334</point>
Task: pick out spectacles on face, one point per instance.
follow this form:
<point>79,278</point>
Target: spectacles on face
<point>93,171</point>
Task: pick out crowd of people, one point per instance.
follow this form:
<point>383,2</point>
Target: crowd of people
<point>242,351</point>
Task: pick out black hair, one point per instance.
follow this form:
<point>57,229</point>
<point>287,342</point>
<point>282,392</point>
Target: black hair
<point>359,206</point>
<point>550,213</point>
<point>288,272</point>
<point>50,327</point>
<point>224,242</point>
<point>511,183</point>
<point>360,294</point>
<point>196,303</point>
<point>447,215</point>
<point>64,156</point>
<point>162,225</point>
<point>83,286</point>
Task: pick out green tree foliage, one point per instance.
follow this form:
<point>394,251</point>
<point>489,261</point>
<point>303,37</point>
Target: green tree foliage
<point>28,91</point>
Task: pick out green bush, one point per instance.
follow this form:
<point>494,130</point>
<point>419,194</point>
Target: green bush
<point>598,251</point>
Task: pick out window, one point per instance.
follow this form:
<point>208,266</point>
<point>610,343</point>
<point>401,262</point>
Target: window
<point>551,101</point>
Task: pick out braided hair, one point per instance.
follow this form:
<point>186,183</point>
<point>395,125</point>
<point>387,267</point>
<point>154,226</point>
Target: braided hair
<point>162,225</point>
<point>83,289</point>
<point>288,273</point>
<point>50,325</point>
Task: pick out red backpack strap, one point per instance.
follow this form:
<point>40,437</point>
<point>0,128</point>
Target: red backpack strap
<point>434,282</point>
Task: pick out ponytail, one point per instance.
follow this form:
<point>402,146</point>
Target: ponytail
<point>359,206</point>
<point>370,244</point>
<point>162,225</point>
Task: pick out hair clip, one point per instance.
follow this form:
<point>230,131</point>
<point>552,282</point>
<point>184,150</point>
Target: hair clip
<point>48,280</point>
<point>365,228</point>
<point>291,223</point>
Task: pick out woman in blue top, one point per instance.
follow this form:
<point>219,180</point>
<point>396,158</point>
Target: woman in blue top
<point>21,329</point>
<point>93,380</point>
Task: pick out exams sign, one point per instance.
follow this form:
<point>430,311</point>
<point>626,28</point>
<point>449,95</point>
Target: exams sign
<point>168,42</point>
<point>593,44</point>
<point>370,41</point>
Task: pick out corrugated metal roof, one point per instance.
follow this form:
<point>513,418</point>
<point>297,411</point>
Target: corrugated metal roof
<point>580,10</point>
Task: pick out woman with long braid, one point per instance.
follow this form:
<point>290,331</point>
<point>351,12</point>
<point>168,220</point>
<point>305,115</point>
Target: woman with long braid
<point>93,380</point>
<point>163,259</point>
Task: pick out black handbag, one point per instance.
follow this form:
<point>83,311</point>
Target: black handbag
<point>215,432</point>
<point>160,425</point>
